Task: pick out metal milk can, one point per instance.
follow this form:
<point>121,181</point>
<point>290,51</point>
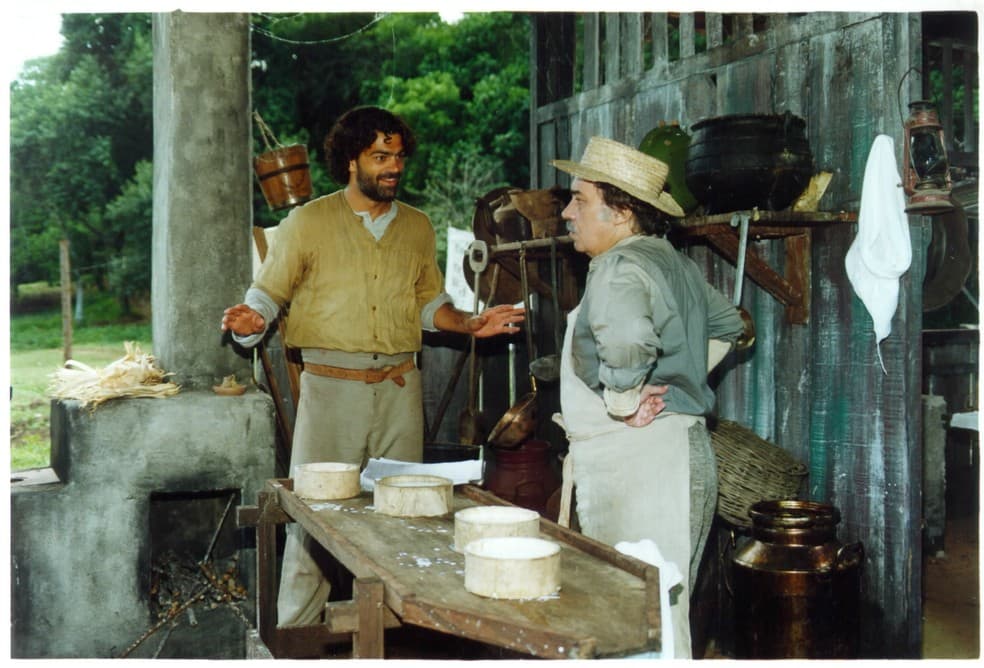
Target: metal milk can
<point>797,589</point>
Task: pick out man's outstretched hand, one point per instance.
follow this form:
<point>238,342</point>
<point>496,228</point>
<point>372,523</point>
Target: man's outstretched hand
<point>242,320</point>
<point>502,319</point>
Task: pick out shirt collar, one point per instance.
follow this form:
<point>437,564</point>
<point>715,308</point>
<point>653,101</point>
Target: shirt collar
<point>621,242</point>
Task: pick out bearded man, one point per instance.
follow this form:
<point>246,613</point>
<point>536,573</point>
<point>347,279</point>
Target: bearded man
<point>359,271</point>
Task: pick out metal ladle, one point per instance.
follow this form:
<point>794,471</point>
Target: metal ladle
<point>519,422</point>
<point>471,418</point>
<point>546,368</point>
<point>747,338</point>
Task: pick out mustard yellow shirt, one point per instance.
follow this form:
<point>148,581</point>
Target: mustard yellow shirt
<point>346,290</point>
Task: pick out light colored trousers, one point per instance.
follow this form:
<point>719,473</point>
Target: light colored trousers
<point>343,421</point>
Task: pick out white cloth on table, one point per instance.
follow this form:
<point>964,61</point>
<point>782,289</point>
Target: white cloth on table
<point>669,577</point>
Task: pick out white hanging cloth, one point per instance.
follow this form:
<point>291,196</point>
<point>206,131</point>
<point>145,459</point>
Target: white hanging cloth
<point>882,250</point>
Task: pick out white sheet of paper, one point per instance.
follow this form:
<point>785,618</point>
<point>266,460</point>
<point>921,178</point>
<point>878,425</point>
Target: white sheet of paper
<point>459,473</point>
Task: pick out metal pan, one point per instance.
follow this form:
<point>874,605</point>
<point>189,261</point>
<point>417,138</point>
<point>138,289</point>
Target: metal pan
<point>517,424</point>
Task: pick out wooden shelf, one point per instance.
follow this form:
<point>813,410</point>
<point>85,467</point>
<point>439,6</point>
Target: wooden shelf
<point>795,228</point>
<point>722,232</point>
<point>781,220</point>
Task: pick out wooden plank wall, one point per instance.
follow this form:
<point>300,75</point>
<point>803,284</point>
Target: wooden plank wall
<point>818,389</point>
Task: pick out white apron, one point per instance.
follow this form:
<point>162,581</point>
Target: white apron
<point>632,483</point>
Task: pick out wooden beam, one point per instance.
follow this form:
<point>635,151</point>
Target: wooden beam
<point>591,69</point>
<point>266,569</point>
<point>64,263</point>
<point>687,33</point>
<point>632,27</point>
<point>757,269</point>
<point>343,617</point>
<point>715,30</point>
<point>541,643</point>
<point>367,641</point>
<point>553,52</point>
<point>309,642</point>
<point>798,272</point>
<point>611,48</point>
<point>792,289</point>
<point>661,40</point>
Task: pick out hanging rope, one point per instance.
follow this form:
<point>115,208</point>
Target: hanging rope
<point>327,40</point>
<point>266,132</point>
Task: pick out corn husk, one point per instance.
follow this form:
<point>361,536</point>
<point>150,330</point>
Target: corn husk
<point>133,375</point>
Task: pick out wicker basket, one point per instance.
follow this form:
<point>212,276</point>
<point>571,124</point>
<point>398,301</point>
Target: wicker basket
<point>751,469</point>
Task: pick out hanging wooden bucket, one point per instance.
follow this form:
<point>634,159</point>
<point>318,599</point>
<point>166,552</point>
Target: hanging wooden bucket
<point>285,176</point>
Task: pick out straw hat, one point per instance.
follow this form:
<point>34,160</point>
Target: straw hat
<point>624,167</point>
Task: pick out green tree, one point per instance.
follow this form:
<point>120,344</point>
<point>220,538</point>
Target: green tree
<point>131,213</point>
<point>81,123</point>
<point>464,88</point>
<point>305,73</point>
<point>461,86</point>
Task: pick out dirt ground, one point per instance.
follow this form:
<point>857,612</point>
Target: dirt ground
<point>951,605</point>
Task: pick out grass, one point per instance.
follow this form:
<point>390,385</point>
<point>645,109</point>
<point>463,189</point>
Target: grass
<point>36,353</point>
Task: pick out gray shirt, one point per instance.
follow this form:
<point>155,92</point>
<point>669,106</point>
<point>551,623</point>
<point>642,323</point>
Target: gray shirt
<point>645,318</point>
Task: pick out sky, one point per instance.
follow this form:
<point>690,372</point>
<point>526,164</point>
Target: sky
<point>32,31</point>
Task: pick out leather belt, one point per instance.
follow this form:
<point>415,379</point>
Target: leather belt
<point>394,373</point>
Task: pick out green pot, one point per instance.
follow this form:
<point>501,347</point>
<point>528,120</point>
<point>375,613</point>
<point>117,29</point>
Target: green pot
<point>670,143</point>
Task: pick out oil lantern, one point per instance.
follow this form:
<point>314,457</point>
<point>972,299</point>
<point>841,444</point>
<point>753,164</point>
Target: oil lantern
<point>927,173</point>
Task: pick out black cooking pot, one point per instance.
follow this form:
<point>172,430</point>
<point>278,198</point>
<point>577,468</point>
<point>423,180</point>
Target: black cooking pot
<point>740,162</point>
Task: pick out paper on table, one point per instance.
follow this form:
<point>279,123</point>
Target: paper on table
<point>459,473</point>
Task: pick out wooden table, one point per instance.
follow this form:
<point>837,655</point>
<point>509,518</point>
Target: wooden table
<point>406,572</point>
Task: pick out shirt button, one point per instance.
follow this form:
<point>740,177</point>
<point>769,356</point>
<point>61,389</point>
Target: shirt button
<point>375,356</point>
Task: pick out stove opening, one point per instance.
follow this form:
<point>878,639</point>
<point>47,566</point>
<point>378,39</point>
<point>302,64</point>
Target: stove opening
<point>196,587</point>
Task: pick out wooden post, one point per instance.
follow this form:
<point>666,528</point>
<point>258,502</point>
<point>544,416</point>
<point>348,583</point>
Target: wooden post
<point>66,299</point>
<point>266,572</point>
<point>367,642</point>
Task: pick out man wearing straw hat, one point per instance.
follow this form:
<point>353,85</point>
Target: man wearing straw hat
<point>634,368</point>
<point>359,271</point>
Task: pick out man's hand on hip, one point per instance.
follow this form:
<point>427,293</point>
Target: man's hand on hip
<point>650,405</point>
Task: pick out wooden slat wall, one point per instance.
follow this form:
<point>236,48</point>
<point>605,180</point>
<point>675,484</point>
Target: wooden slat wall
<point>817,389</point>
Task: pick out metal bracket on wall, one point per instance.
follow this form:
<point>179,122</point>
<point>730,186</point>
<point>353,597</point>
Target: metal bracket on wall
<point>795,228</point>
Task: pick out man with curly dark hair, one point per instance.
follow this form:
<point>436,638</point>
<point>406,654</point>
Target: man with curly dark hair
<point>359,271</point>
